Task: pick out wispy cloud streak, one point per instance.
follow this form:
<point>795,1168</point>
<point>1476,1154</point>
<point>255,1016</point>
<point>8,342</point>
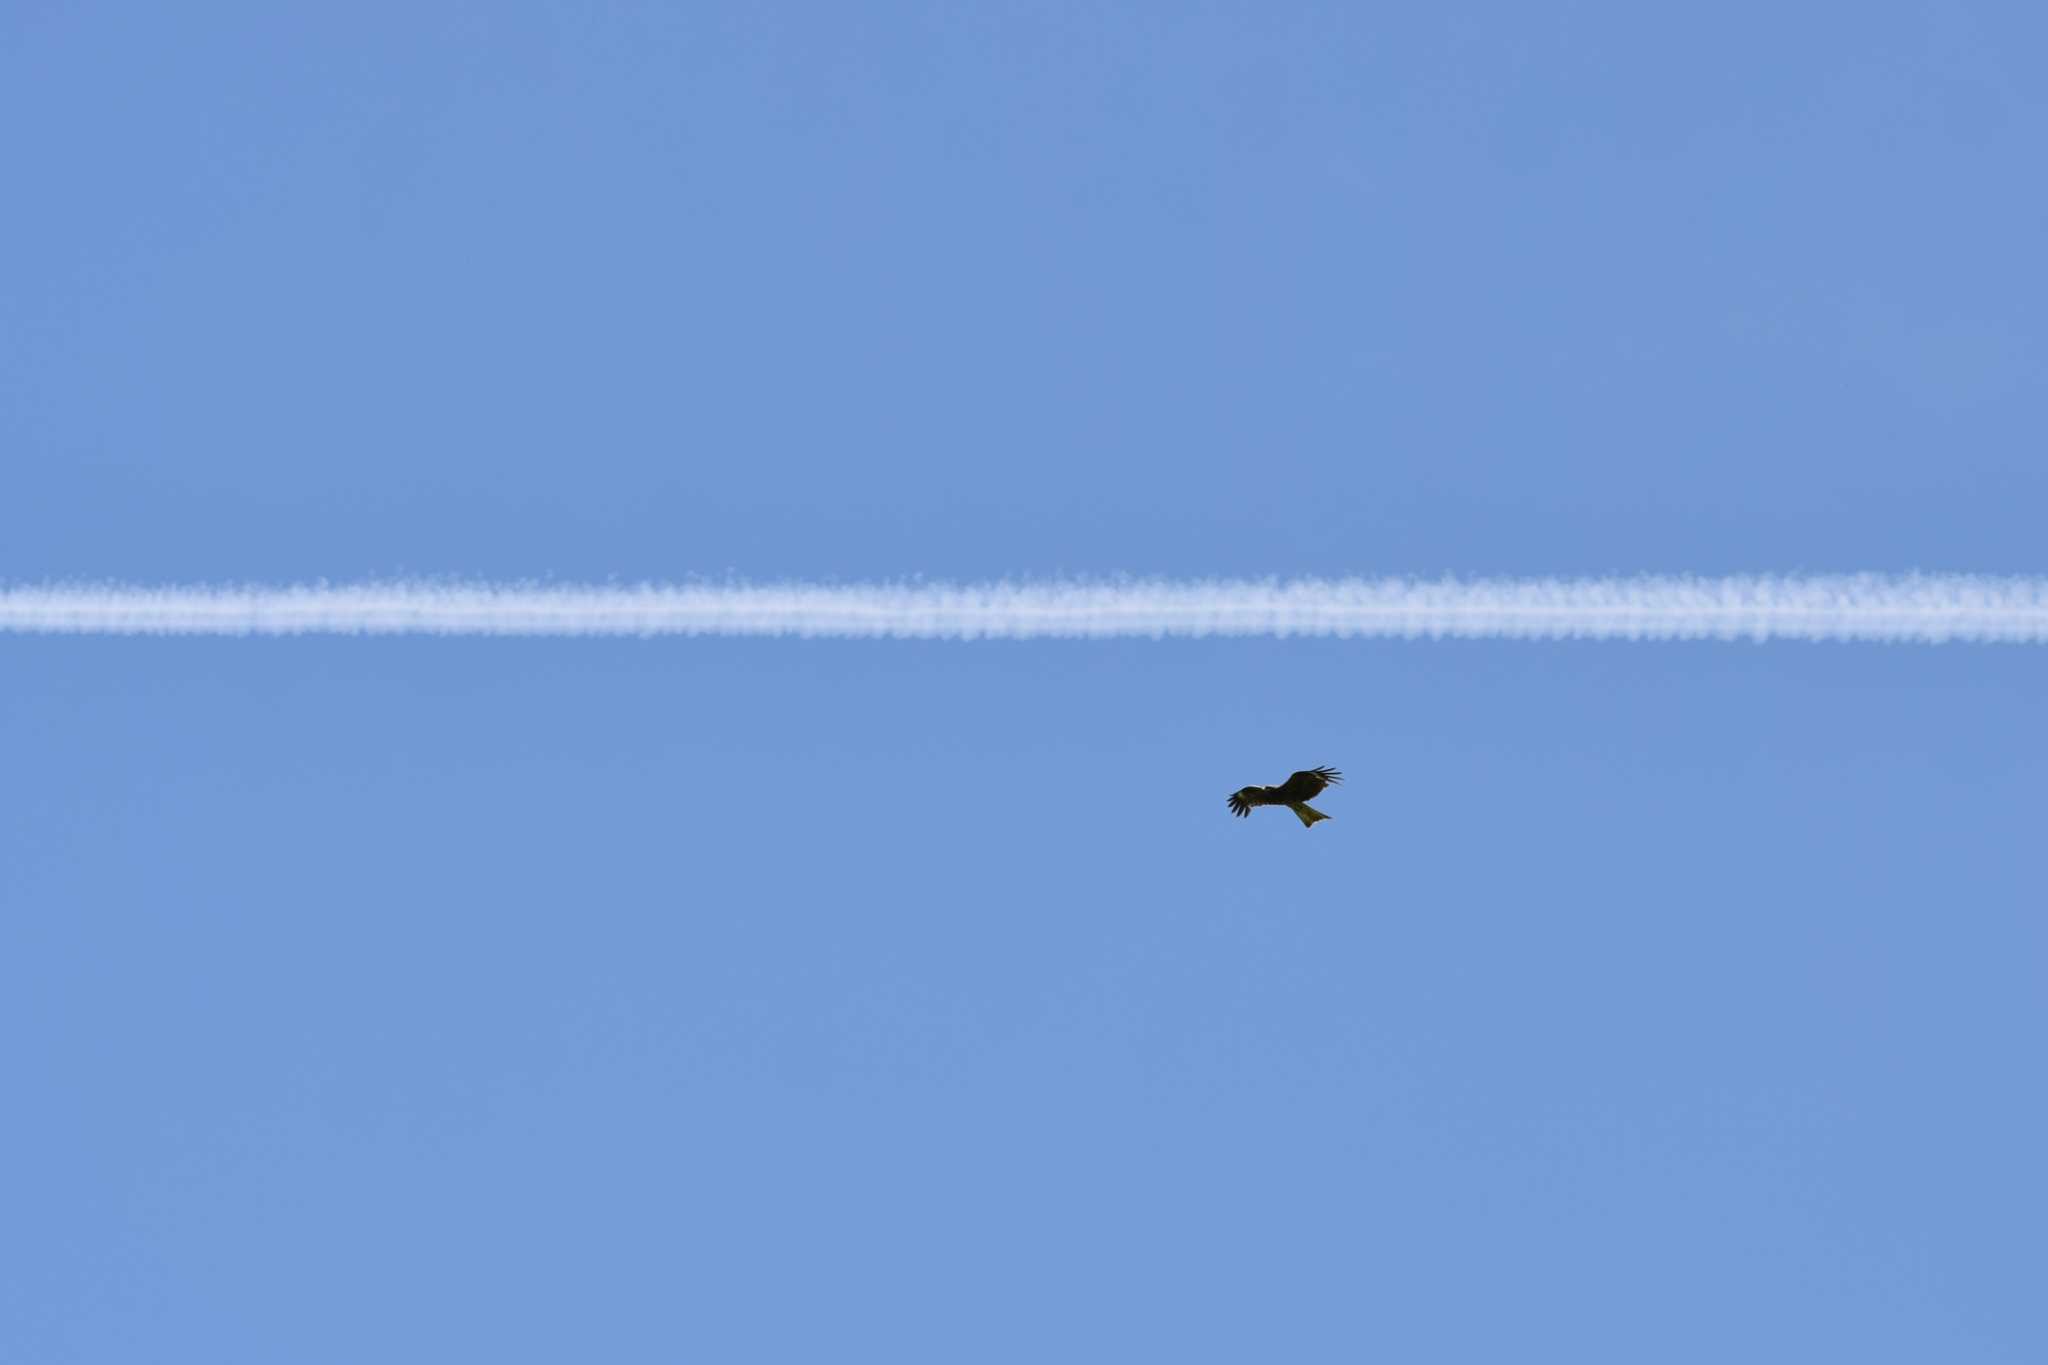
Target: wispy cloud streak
<point>1926,609</point>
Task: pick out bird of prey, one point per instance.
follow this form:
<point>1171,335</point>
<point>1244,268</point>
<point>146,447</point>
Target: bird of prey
<point>1294,794</point>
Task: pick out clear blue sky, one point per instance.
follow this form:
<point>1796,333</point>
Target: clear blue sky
<point>422,1000</point>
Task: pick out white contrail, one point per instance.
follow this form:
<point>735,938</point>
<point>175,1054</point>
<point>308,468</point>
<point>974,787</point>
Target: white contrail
<point>1917,608</point>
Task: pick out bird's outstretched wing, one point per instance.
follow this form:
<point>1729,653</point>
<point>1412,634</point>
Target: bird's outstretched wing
<point>1304,786</point>
<point>1242,800</point>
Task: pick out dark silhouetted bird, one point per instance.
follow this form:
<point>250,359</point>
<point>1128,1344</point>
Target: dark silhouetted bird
<point>1294,794</point>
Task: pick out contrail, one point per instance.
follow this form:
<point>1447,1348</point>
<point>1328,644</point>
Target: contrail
<point>1911,608</point>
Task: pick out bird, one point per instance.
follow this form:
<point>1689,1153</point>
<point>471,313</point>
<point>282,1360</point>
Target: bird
<point>1294,794</point>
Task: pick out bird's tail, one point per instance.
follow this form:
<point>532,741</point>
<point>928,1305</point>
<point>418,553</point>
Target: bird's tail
<point>1308,814</point>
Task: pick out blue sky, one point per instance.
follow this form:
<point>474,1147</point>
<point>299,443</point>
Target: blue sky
<point>657,1000</point>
